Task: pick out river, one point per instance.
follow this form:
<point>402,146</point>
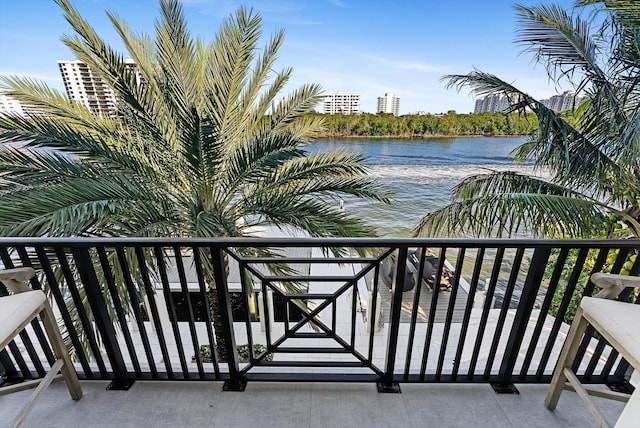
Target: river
<point>421,173</point>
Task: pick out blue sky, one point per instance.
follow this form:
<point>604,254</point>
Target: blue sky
<point>368,47</point>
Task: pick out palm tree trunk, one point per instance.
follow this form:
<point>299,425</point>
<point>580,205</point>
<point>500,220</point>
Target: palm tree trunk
<point>216,317</point>
<point>218,325</point>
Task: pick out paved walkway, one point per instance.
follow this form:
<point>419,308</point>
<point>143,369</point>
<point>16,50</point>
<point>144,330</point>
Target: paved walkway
<point>282,405</point>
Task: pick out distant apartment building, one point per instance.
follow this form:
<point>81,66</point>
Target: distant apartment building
<point>389,104</point>
<point>341,104</point>
<point>492,103</point>
<point>87,88</point>
<point>565,101</point>
<point>10,105</point>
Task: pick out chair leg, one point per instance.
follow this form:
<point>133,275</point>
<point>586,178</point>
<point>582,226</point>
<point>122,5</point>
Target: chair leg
<point>68,373</point>
<point>567,357</point>
<point>43,384</point>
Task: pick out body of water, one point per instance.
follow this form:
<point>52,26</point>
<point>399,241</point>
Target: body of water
<point>421,173</point>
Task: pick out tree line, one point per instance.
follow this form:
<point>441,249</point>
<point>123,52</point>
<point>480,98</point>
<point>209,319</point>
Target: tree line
<point>428,125</point>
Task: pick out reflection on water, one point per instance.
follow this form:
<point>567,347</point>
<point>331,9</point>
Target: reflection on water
<point>422,173</point>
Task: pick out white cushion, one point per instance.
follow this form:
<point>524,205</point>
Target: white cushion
<point>16,311</point>
<point>631,414</point>
<point>618,322</point>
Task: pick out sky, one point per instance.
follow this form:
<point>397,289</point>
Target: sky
<point>366,47</point>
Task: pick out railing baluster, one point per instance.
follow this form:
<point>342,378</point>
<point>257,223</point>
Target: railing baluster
<point>488,305</point>
<point>449,318</point>
<point>117,305</point>
<point>473,285</point>
<point>87,325</point>
<point>72,267</point>
<point>521,318</point>
<point>387,383</point>
<point>414,311</point>
<point>432,313</point>
<point>373,310</point>
<point>54,288</point>
<point>136,308</point>
<point>513,276</point>
<point>544,311</point>
<point>153,307</point>
<point>103,321</point>
<point>203,292</point>
<point>37,328</point>
<point>236,382</point>
<point>170,307</point>
<point>192,328</point>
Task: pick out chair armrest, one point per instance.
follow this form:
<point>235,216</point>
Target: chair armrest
<point>612,284</point>
<point>16,279</point>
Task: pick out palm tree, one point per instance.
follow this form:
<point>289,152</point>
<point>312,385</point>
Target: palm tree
<point>594,164</point>
<point>193,151</point>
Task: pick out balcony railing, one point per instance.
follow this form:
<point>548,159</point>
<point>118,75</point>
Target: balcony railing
<point>365,310</point>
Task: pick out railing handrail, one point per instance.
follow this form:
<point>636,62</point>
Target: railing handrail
<point>88,267</point>
<point>324,242</point>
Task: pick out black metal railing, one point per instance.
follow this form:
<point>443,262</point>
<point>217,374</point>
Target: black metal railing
<point>378,310</point>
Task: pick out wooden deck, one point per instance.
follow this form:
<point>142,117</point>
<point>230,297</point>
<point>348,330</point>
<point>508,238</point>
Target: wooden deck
<point>424,303</point>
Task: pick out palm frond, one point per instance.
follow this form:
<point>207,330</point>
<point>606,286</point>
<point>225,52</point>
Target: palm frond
<point>287,115</point>
<point>73,206</point>
<point>561,41</point>
<point>100,57</point>
<point>192,149</point>
<point>316,166</point>
<point>231,59</point>
<point>527,213</point>
<point>262,67</point>
<point>311,216</point>
<point>509,182</point>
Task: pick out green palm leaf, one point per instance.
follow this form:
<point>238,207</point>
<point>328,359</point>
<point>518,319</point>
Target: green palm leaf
<point>192,150</point>
<point>594,163</point>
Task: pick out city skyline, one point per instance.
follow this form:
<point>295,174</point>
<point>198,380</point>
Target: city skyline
<point>366,48</point>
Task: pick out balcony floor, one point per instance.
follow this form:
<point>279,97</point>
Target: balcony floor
<point>204,404</point>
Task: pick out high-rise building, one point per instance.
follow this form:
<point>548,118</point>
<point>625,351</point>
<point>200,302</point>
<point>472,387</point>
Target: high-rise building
<point>10,105</point>
<point>389,104</point>
<point>492,103</point>
<point>86,87</point>
<point>565,101</point>
<point>341,104</point>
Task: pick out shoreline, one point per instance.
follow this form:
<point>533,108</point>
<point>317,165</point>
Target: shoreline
<point>419,137</point>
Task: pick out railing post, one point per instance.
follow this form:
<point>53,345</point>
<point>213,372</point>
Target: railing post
<point>236,382</point>
<point>534,278</point>
<point>103,321</point>
<point>397,287</point>
<point>6,366</point>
